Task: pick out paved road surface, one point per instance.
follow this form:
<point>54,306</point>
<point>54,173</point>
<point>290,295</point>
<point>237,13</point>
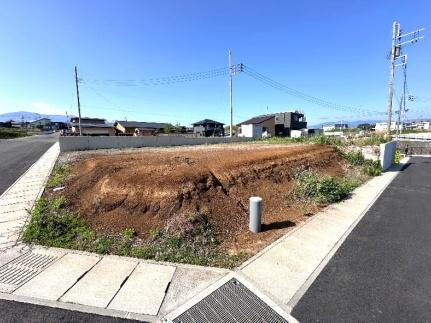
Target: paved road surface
<point>382,272</point>
<point>15,312</point>
<point>17,155</point>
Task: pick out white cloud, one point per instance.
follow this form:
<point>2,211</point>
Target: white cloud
<point>45,108</point>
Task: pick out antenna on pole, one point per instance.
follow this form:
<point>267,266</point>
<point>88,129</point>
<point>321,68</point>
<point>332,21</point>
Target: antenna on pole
<point>397,43</point>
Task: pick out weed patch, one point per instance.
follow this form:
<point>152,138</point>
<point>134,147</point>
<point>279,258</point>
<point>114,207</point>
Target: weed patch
<point>322,190</point>
<point>58,176</point>
<point>354,158</point>
<point>372,167</point>
<point>320,140</point>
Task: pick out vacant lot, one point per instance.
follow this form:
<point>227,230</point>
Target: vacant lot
<point>161,190</point>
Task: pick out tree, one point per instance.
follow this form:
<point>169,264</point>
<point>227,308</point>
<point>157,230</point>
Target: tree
<point>168,128</point>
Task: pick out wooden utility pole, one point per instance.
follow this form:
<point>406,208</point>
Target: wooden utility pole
<point>79,104</point>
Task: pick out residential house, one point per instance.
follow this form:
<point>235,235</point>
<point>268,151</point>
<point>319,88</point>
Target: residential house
<point>418,125</point>
<point>42,124</point>
<point>383,126</point>
<point>334,127</point>
<point>91,127</point>
<point>208,128</point>
<point>275,124</point>
<point>287,121</point>
<point>136,128</point>
<point>257,127</point>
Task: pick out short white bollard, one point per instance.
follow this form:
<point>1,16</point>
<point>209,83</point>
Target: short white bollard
<point>255,214</point>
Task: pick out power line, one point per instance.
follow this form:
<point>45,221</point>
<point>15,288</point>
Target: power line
<point>306,97</point>
<point>189,77</point>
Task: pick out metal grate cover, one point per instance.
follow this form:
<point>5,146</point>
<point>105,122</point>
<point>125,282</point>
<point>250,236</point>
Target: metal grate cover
<point>231,302</point>
<point>22,269</point>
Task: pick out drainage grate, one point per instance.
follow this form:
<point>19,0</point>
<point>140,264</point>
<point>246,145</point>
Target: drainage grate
<point>24,268</point>
<point>232,302</point>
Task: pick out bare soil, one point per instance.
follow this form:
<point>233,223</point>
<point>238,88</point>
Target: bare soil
<point>160,188</point>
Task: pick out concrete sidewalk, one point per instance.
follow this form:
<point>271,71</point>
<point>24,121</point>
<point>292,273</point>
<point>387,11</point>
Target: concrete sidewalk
<point>147,290</point>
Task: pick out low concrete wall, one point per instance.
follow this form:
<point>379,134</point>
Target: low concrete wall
<point>414,147</point>
<point>89,143</point>
<point>387,152</point>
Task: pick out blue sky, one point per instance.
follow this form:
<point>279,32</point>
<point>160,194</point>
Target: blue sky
<point>334,50</point>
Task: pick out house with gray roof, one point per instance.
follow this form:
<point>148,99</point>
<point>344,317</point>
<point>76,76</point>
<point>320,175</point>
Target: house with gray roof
<point>138,128</point>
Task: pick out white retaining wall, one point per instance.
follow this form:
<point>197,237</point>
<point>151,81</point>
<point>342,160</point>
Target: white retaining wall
<point>387,152</point>
<point>106,142</point>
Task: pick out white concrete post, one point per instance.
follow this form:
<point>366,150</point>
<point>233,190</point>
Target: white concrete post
<point>255,214</point>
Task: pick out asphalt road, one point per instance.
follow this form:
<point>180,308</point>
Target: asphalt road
<point>16,312</point>
<point>381,273</point>
<point>17,155</point>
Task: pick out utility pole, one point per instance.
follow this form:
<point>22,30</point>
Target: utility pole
<point>230,92</point>
<point>79,104</point>
<point>395,35</point>
<point>395,53</point>
<point>403,98</point>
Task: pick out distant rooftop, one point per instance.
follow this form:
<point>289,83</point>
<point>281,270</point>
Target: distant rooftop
<point>258,119</point>
<point>141,125</point>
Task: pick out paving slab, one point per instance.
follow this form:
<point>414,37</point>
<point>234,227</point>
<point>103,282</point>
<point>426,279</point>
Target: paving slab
<point>144,290</point>
<point>52,283</point>
<point>13,216</point>
<point>99,286</point>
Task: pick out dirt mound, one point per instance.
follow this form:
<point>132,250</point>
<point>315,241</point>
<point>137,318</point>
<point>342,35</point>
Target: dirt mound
<point>147,190</point>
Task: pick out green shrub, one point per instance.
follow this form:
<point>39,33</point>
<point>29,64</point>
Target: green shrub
<point>372,167</point>
<point>354,158</point>
<point>307,184</point>
<point>331,191</point>
<point>322,189</point>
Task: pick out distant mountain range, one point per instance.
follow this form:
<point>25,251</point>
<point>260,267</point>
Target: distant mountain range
<point>30,116</point>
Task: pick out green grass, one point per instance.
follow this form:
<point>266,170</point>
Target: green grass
<point>8,133</point>
<point>53,225</point>
<point>58,175</point>
<point>321,140</point>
